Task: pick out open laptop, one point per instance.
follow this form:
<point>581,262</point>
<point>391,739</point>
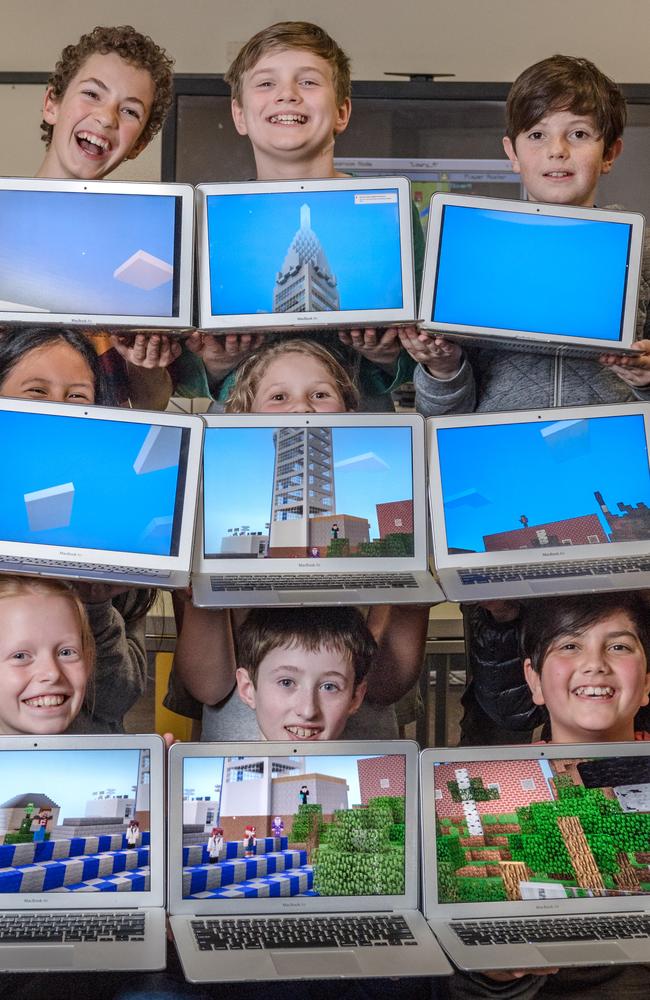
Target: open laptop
<point>541,501</point>
<point>313,509</point>
<point>98,493</point>
<point>315,872</point>
<point>528,276</point>
<point>101,255</point>
<point>300,255</point>
<point>537,856</point>
<point>81,853</point>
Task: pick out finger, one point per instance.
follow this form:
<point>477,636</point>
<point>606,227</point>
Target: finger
<point>369,338</point>
<point>388,336</point>
<point>194,342</point>
<point>345,337</point>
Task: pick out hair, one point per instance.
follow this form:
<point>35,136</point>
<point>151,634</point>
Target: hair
<point>545,619</point>
<point>138,50</point>
<point>16,342</point>
<point>291,35</point>
<point>251,372</point>
<point>342,630</point>
<point>566,83</point>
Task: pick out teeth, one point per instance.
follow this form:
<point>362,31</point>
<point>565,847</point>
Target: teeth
<point>595,692</point>
<point>45,701</point>
<point>558,173</point>
<point>102,144</point>
<point>302,733</point>
<point>289,119</point>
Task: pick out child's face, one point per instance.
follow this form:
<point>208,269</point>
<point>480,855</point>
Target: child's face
<point>561,159</point>
<point>99,119</point>
<point>297,383</point>
<point>54,373</point>
<point>301,694</point>
<point>288,110</point>
<point>43,674</point>
<point>593,684</point>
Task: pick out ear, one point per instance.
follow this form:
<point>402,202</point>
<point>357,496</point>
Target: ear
<point>50,107</point>
<point>646,689</point>
<point>245,687</point>
<point>534,682</point>
<point>343,116</point>
<point>610,155</point>
<point>238,117</point>
<point>357,697</point>
<point>511,153</point>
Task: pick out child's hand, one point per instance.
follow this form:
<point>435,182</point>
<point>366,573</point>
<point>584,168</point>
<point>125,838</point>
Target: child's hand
<point>380,346</point>
<point>222,352</point>
<point>440,357</point>
<point>633,370</point>
<point>147,350</point>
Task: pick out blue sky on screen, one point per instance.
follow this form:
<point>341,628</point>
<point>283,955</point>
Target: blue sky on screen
<point>59,250</point>
<point>546,471</point>
<point>249,235</point>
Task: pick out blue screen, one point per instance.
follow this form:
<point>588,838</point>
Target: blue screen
<point>304,251</point>
<point>539,484</point>
<point>515,271</point>
<point>106,485</point>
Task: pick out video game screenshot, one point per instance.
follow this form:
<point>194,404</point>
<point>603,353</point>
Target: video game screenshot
<point>262,826</point>
<point>321,492</point>
<point>297,252</point>
<point>515,502</point>
<point>542,829</point>
<point>74,821</point>
<point>123,500</point>
<point>88,254</point>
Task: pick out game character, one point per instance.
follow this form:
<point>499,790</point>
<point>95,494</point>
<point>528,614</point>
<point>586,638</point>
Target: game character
<point>335,530</point>
<point>249,841</point>
<point>133,833</point>
<point>303,794</point>
<point>277,826</point>
<point>215,844</point>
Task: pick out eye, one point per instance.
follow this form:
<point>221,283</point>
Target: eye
<point>322,394</point>
<point>535,135</point>
<point>330,686</point>
<point>278,397</point>
<point>580,133</point>
<point>264,84</point>
<point>83,397</point>
<point>88,92</point>
<point>286,682</point>
<point>308,82</point>
<point>131,113</point>
<point>621,647</point>
<point>69,652</point>
<point>20,656</point>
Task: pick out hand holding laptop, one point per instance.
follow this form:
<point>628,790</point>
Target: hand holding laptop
<point>442,358</point>
<point>222,353</point>
<point>380,346</point>
<point>153,350</point>
<point>632,368</point>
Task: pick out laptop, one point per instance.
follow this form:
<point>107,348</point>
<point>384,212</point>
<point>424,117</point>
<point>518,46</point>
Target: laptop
<point>312,867</point>
<point>100,255</point>
<point>539,502</point>
<point>81,853</point>
<point>526,276</point>
<point>301,255</point>
<point>537,856</point>
<point>313,509</point>
<point>98,493</point>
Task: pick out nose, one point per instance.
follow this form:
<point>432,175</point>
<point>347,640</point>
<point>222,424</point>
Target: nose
<point>106,114</point>
<point>307,704</point>
<point>287,91</point>
<point>303,405</point>
<point>557,146</point>
<point>48,669</point>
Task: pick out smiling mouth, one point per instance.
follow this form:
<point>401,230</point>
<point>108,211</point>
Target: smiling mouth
<point>594,692</point>
<point>92,145</point>
<point>558,174</point>
<point>46,701</point>
<point>288,119</point>
<point>301,733</point>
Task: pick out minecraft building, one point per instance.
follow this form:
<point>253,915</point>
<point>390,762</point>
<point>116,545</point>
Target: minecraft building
<point>303,486</point>
<point>585,530</point>
<point>395,517</point>
<point>385,775</point>
<point>305,282</point>
<point>517,782</point>
<point>631,525</point>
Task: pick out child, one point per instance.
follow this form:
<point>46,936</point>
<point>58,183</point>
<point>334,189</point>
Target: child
<point>59,365</point>
<point>564,122</point>
<point>290,88</point>
<point>47,653</point>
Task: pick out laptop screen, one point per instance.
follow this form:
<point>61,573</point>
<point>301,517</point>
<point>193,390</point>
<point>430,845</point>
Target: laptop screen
<point>304,251</point>
<point>89,254</point>
<point>108,484</point>
<point>293,826</point>
<point>74,821</point>
<point>319,492</point>
<point>529,829</point>
<point>509,270</point>
<point>540,484</point>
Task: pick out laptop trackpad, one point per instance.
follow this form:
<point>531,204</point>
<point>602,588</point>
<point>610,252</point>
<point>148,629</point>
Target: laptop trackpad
<point>576,954</point>
<point>315,964</point>
<point>554,586</point>
<point>33,957</point>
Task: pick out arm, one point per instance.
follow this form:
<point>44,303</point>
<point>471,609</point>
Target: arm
<point>121,664</point>
<point>205,653</point>
<point>147,358</point>
<point>435,397</point>
<point>400,631</point>
<point>222,353</point>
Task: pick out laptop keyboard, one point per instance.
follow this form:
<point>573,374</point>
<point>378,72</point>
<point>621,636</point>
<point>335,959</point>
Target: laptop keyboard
<point>88,567</point>
<point>301,932</point>
<point>322,581</point>
<point>542,571</point>
<point>558,929</point>
<point>48,928</point>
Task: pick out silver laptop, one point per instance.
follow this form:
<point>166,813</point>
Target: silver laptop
<point>101,255</point>
<point>313,509</point>
<point>541,501</point>
<point>98,493</point>
<point>288,862</point>
<point>81,853</point>
<point>303,255</point>
<point>537,856</point>
<point>528,276</point>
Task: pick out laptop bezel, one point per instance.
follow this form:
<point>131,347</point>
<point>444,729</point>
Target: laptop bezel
<point>155,897</point>
<point>290,904</point>
<point>186,504</point>
<point>435,911</point>
<point>441,200</point>
<point>311,320</point>
<point>98,322</point>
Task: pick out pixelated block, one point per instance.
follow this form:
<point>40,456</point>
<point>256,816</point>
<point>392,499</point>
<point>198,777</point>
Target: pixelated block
<point>567,438</point>
<point>50,508</point>
<point>158,528</point>
<point>466,498</point>
<point>144,271</point>
<point>368,462</point>
<point>160,450</point>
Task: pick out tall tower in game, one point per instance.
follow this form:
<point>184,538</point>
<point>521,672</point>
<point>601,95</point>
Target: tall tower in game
<point>303,483</point>
<point>305,282</point>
